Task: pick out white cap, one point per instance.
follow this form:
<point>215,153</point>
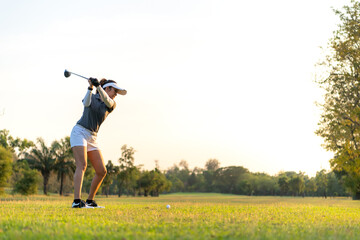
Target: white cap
<point>118,89</point>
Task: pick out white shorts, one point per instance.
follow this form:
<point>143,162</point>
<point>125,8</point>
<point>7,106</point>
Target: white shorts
<point>81,136</point>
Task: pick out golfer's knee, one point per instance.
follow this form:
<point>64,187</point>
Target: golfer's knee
<point>102,172</point>
<point>82,167</point>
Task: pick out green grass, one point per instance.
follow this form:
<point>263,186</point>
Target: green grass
<point>191,216</point>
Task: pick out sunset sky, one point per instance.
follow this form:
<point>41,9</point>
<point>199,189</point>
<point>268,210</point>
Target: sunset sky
<point>231,80</point>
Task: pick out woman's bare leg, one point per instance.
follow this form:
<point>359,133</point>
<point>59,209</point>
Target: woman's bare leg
<point>97,161</point>
<point>81,164</point>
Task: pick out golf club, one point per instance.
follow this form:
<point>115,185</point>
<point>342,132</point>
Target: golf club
<point>68,74</point>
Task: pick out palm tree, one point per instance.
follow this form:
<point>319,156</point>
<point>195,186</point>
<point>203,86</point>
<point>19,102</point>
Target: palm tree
<point>42,158</point>
<point>64,164</point>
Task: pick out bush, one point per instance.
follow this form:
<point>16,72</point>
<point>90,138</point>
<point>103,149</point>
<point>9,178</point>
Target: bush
<point>26,182</point>
<point>5,167</point>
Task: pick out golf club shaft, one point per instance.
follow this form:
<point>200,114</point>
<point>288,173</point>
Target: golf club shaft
<point>80,76</point>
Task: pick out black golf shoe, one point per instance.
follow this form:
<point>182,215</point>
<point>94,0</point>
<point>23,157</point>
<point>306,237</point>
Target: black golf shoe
<point>80,204</point>
<point>93,204</point>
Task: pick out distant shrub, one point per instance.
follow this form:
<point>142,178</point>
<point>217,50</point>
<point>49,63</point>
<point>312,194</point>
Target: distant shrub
<point>5,167</point>
<point>27,180</point>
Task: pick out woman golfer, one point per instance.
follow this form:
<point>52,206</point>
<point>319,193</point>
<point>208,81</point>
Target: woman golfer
<point>83,137</point>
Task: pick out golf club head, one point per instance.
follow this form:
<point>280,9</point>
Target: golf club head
<point>67,73</point>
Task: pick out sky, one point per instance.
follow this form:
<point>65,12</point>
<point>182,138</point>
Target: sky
<point>225,79</point>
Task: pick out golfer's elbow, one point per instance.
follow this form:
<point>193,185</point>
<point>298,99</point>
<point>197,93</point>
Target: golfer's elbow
<point>87,99</point>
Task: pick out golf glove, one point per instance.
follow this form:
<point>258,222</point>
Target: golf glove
<point>94,82</point>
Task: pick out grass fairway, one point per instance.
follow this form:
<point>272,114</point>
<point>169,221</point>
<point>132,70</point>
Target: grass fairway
<point>191,216</point>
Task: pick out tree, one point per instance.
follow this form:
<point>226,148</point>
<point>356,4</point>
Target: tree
<point>159,183</point>
<point>209,174</point>
<point>212,164</point>
<point>179,176</point>
<point>227,178</point>
<point>184,173</point>
<point>64,163</point>
<point>322,182</point>
<point>128,172</point>
<point>196,181</point>
<point>5,167</point>
<point>43,159</point>
<point>108,180</point>
<point>172,174</point>
<point>154,182</point>
<point>339,125</point>
<point>262,184</point>
<point>334,187</point>
<point>246,184</point>
<point>144,182</point>
<point>283,182</point>
<point>15,145</point>
<point>297,185</point>
<point>310,186</point>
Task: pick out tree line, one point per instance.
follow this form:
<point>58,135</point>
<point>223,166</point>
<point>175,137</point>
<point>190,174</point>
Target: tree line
<point>239,180</point>
<point>24,165</point>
